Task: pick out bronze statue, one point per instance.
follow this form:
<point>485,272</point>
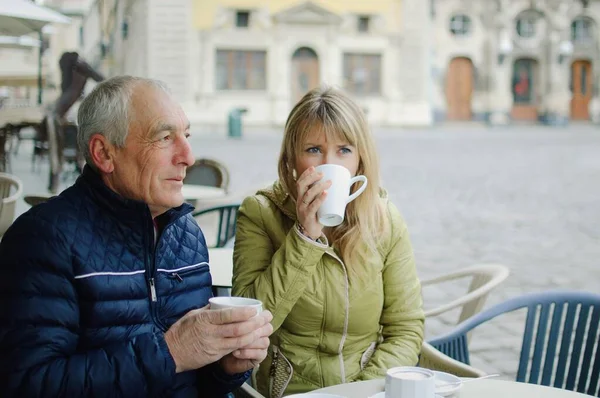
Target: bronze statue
<point>75,73</point>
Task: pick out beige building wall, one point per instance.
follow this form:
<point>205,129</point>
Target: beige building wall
<point>19,74</point>
<point>206,12</point>
<point>329,29</point>
<point>178,41</point>
<point>499,54</point>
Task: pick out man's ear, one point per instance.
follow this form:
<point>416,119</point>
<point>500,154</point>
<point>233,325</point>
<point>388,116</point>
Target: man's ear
<point>102,153</point>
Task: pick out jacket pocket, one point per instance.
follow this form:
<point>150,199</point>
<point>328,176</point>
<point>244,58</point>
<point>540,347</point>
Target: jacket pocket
<point>366,356</point>
<point>180,273</point>
<point>280,374</point>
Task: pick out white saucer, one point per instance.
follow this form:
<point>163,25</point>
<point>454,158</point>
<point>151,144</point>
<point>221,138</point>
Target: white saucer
<point>382,395</point>
<point>441,378</point>
<point>441,387</point>
<point>316,395</point>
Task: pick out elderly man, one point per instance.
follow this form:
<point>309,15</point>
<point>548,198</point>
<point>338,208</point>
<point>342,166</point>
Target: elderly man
<point>104,287</point>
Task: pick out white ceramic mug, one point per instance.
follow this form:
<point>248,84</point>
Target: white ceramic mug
<point>409,382</point>
<point>217,303</point>
<point>333,209</point>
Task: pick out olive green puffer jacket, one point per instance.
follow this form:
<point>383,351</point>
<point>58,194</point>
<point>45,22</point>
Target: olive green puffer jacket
<point>334,323</point>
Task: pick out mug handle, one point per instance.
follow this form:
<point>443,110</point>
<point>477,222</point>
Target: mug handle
<point>354,180</point>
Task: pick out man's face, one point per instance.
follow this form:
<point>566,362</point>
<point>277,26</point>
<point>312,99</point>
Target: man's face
<point>151,166</point>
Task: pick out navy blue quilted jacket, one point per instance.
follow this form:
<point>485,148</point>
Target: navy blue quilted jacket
<point>86,295</point>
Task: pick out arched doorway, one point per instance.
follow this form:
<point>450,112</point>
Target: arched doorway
<point>524,84</point>
<point>459,89</point>
<point>581,86</point>
<point>305,72</point>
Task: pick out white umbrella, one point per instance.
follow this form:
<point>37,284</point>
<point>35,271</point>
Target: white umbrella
<point>20,17</point>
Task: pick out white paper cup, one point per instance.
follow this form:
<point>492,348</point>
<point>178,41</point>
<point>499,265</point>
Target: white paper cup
<point>333,209</point>
<point>217,303</point>
<point>409,382</point>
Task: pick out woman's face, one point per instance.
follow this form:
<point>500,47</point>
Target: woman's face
<point>317,150</point>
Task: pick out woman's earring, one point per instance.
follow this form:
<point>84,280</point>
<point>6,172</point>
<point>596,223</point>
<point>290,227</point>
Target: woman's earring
<point>294,174</point>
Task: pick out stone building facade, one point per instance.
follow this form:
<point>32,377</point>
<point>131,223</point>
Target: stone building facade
<point>406,62</point>
<point>263,55</point>
<point>507,61</point>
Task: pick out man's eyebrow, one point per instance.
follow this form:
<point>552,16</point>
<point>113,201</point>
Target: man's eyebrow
<point>163,127</point>
<point>167,127</point>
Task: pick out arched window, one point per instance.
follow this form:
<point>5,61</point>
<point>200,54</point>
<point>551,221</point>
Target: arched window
<point>527,24</point>
<point>582,30</point>
<point>460,25</point>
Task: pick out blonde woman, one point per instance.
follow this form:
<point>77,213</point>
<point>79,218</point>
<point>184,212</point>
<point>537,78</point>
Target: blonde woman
<point>346,300</point>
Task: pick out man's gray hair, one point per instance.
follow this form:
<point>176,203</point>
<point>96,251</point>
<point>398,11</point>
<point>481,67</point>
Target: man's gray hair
<point>106,111</point>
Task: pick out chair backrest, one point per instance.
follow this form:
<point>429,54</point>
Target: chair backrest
<point>430,358</point>
<point>561,340</point>
<point>4,154</point>
<point>227,218</point>
<point>207,172</point>
<point>11,189</point>
<point>485,277</point>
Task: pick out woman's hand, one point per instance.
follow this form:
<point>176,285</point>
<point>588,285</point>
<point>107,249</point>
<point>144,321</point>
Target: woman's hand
<point>311,195</point>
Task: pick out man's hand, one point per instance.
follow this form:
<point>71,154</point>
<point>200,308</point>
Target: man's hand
<point>205,336</point>
<point>250,356</point>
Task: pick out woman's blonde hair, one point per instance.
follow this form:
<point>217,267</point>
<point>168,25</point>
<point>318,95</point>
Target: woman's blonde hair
<point>331,111</point>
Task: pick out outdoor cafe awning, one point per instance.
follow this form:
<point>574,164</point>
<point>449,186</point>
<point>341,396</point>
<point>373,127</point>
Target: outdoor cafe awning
<point>20,17</point>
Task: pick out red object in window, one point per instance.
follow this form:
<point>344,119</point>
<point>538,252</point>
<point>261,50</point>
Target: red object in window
<point>522,86</point>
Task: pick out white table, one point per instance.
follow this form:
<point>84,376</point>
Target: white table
<point>201,192</point>
<point>221,266</point>
<point>487,388</point>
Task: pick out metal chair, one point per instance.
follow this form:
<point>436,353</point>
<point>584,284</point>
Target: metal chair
<point>563,329</point>
<point>11,190</point>
<point>40,144</point>
<point>226,218</point>
<point>4,153</point>
<point>70,150</point>
<point>208,172</point>
<point>485,277</point>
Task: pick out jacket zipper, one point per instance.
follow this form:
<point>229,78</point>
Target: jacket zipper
<point>150,259</point>
<point>152,290</point>
<point>346,316</point>
<point>151,269</point>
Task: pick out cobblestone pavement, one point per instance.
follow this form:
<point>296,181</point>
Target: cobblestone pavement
<point>527,197</point>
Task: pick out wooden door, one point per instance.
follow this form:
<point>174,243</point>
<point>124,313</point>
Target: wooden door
<point>524,83</point>
<point>581,84</point>
<point>459,89</point>
<point>305,72</point>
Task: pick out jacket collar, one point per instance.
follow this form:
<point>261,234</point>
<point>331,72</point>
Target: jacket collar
<point>123,208</point>
<point>276,194</point>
